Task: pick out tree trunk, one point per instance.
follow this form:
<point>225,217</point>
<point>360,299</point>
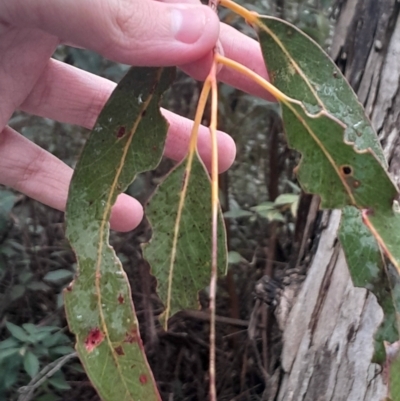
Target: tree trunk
<point>328,335</point>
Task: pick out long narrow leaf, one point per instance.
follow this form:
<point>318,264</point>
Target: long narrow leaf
<point>128,138</point>
<point>184,268</point>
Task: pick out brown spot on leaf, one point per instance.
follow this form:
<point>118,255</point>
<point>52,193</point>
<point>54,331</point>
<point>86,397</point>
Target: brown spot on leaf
<point>356,184</point>
<point>144,113</point>
<point>119,350</point>
<point>94,339</point>
<point>121,299</point>
<point>132,337</point>
<point>143,379</point>
<point>335,74</point>
<point>121,132</point>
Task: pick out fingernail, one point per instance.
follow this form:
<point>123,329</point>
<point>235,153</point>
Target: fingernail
<point>188,23</point>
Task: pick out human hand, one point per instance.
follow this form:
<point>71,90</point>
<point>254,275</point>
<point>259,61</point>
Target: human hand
<point>135,32</point>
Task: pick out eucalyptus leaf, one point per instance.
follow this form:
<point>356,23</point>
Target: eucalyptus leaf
<point>184,270</point>
<point>127,139</point>
<point>342,160</point>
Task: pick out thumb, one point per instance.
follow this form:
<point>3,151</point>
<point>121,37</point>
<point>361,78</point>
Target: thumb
<point>136,32</point>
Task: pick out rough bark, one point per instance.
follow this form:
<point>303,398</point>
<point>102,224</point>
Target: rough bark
<point>328,335</point>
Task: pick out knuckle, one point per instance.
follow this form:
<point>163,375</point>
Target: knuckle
<point>128,23</point>
<point>31,169</point>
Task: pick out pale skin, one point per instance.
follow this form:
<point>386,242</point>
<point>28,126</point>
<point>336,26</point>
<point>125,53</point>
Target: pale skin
<point>135,32</point>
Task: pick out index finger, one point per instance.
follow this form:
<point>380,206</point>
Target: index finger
<point>135,32</point>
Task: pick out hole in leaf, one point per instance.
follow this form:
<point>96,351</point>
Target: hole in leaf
<point>347,170</point>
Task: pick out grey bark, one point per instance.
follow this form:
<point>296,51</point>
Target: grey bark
<point>328,334</point>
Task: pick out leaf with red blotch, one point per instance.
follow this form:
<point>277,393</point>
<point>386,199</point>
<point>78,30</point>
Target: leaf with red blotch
<point>128,138</point>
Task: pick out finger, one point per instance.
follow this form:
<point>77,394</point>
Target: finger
<point>177,143</point>
<point>31,170</point>
<point>24,54</point>
<point>135,32</point>
<point>54,97</point>
<point>242,49</point>
<point>195,2</point>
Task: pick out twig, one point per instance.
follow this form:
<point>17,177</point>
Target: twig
<point>26,392</point>
<point>200,315</point>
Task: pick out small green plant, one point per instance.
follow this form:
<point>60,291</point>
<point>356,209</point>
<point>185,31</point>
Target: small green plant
<point>272,211</point>
<point>27,349</point>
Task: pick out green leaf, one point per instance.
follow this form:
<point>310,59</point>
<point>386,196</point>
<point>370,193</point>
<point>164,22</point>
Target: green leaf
<point>394,379</point>
<point>18,332</point>
<point>10,378</point>
<point>31,364</point>
<point>286,199</point>
<point>7,200</point>
<point>7,352</point>
<point>30,328</point>
<point>128,139</point>
<point>38,286</point>
<point>369,270</point>
<point>55,339</point>
<point>237,214</point>
<point>342,160</point>
<point>263,207</point>
<point>62,350</point>
<point>9,343</point>
<point>18,291</point>
<point>268,211</point>
<point>58,381</point>
<point>58,275</point>
<point>345,166</point>
<point>234,257</point>
<point>183,270</point>
<point>25,276</point>
<point>303,71</point>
